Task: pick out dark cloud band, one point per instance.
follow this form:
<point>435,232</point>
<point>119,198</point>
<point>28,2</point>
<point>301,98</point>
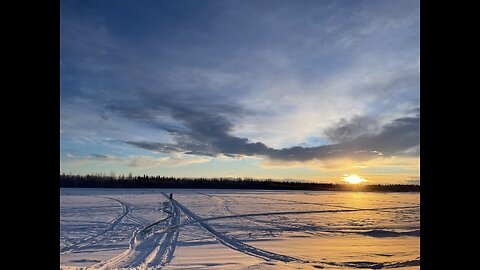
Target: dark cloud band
<point>207,133</point>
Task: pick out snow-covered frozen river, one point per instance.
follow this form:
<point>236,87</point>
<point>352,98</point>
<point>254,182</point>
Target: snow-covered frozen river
<point>238,229</point>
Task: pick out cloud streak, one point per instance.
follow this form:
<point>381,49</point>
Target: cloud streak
<point>415,181</point>
<point>208,134</point>
<point>139,161</point>
<point>284,81</point>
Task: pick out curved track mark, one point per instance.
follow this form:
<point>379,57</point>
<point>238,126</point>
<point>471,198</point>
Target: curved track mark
<point>149,248</point>
<point>102,234</point>
<point>233,243</point>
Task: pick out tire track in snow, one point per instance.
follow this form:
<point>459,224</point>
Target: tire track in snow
<point>384,201</point>
<point>222,204</point>
<point>149,249</point>
<point>375,265</point>
<point>219,207</point>
<point>414,205</point>
<point>309,212</point>
<point>386,209</point>
<point>103,233</point>
<point>298,202</point>
<point>163,251</point>
<point>328,204</point>
<point>223,207</point>
<point>233,243</point>
<point>306,228</point>
<point>247,249</point>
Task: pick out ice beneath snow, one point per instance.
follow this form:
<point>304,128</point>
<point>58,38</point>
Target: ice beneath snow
<point>238,229</point>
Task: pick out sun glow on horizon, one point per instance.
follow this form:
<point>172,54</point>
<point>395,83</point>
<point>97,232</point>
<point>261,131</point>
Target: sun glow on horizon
<point>353,179</point>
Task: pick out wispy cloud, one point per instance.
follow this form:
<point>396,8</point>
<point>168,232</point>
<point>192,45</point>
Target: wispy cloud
<point>139,161</point>
<point>149,161</point>
<point>283,81</point>
<point>100,157</point>
<point>414,181</point>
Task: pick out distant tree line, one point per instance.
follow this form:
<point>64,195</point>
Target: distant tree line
<point>145,181</point>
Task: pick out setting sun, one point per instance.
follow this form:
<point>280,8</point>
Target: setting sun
<point>353,179</point>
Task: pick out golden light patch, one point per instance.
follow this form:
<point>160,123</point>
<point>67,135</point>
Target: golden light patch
<point>353,179</point>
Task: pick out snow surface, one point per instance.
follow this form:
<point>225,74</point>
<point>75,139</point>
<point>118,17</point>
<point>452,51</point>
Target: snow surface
<point>238,229</point>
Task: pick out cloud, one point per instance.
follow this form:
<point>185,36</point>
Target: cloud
<point>401,134</point>
<point>150,162</point>
<point>156,147</point>
<point>104,157</point>
<point>202,126</point>
<point>349,130</point>
<point>256,80</point>
<point>414,181</point>
<point>207,134</point>
<point>139,161</point>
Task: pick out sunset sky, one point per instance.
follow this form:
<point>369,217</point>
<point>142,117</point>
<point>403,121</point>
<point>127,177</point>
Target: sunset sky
<point>312,90</point>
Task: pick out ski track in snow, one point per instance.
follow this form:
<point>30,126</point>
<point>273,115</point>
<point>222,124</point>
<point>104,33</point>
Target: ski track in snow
<point>149,249</point>
<point>102,234</point>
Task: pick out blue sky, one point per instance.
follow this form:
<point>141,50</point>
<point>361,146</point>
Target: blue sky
<point>269,89</point>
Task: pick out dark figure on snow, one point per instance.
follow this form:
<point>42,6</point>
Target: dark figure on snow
<point>171,196</point>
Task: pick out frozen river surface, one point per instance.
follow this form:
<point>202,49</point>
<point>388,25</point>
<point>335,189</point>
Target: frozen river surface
<point>238,229</point>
